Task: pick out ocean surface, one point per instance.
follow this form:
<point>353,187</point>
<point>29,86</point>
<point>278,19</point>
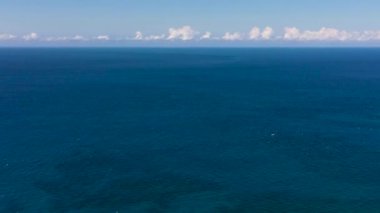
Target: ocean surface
<point>189,130</point>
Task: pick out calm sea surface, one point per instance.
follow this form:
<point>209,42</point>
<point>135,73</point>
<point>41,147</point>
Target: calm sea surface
<point>189,130</point>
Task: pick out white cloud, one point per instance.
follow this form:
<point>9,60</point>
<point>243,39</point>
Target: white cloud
<point>257,34</point>
<point>291,33</point>
<point>232,36</point>
<point>254,34</point>
<point>206,35</point>
<point>155,37</point>
<point>67,38</point>
<point>102,38</point>
<point>30,37</point>
<point>78,38</point>
<point>4,37</point>
<point>184,33</point>
<point>267,33</point>
<point>323,34</point>
<point>329,34</point>
<point>138,36</point>
<point>367,35</point>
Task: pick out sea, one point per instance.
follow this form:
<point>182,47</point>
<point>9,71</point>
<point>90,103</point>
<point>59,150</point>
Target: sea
<point>188,130</point>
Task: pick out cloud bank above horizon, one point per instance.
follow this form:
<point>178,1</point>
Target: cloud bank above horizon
<point>187,33</point>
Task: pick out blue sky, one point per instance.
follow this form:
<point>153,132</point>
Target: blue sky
<point>121,19</point>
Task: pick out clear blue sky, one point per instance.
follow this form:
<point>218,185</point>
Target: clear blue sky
<point>155,17</point>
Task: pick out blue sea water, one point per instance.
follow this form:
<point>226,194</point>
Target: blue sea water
<point>189,130</point>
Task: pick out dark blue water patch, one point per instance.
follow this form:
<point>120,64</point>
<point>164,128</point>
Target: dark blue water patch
<point>189,130</point>
<point>105,181</point>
